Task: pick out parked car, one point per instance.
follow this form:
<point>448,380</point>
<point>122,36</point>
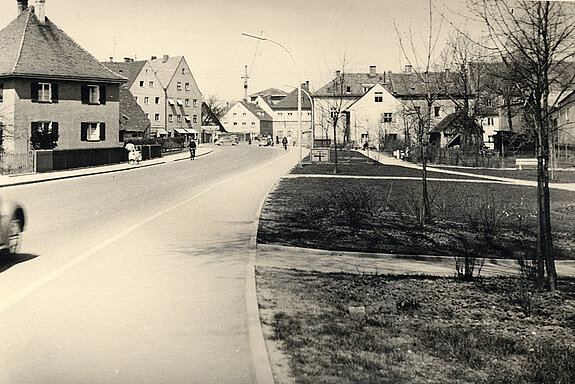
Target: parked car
<point>12,222</point>
<point>226,140</point>
<point>266,142</point>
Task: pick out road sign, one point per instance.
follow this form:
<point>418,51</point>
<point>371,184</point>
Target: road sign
<point>320,155</point>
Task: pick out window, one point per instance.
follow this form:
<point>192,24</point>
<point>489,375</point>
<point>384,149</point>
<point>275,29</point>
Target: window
<point>44,92</point>
<point>195,102</point>
<point>195,118</point>
<point>387,117</point>
<point>244,123</point>
<point>244,114</point>
<point>488,102</point>
<point>91,131</point>
<point>93,94</point>
<point>179,86</point>
<point>348,89</point>
<point>141,83</point>
<point>187,118</point>
<point>171,118</point>
<point>280,114</point>
<point>235,123</point>
<point>235,114</point>
<point>151,84</point>
<point>146,100</point>
<point>44,135</point>
<point>379,97</point>
<point>187,102</point>
<point>179,118</point>
<point>157,117</point>
<point>136,98</point>
<point>253,123</point>
<point>179,102</point>
<point>365,88</point>
<point>183,71</point>
<point>187,85</point>
<point>289,113</point>
<point>436,111</point>
<point>157,100</point>
<point>333,113</point>
<point>490,121</point>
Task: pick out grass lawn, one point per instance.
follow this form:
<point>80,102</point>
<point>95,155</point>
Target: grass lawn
<point>561,176</point>
<point>361,328</point>
<point>341,328</point>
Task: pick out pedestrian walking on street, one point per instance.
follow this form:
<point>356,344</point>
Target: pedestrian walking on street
<point>285,142</point>
<point>192,148</point>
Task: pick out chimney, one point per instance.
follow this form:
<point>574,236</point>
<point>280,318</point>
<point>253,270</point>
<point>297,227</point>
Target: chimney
<point>111,59</point>
<point>153,57</point>
<point>337,73</point>
<point>165,59</point>
<point>408,68</point>
<point>40,11</point>
<point>372,71</point>
<point>22,5</point>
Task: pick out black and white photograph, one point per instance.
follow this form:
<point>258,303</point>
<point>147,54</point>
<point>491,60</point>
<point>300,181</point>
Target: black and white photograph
<point>275,192</point>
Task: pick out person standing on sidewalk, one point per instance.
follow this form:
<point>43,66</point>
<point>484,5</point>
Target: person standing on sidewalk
<point>285,142</point>
<point>192,148</point>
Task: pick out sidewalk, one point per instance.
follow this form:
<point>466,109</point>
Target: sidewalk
<point>30,178</point>
<point>386,159</point>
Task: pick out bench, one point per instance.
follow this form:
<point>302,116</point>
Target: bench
<point>519,163</point>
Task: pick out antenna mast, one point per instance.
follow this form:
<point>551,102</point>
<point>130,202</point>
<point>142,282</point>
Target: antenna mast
<point>246,75</point>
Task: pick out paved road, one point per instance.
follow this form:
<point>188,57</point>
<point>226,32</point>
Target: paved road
<point>139,276</point>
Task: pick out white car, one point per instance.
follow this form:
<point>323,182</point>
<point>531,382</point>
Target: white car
<point>12,222</point>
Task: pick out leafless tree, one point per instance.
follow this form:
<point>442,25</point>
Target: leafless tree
<point>422,67</point>
<point>535,41</point>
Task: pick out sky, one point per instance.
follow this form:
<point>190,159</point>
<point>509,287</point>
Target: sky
<point>320,34</point>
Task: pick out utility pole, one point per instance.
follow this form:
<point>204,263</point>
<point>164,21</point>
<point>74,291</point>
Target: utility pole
<point>246,77</point>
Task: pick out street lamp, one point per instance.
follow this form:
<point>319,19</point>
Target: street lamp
<point>298,86</point>
<point>312,113</point>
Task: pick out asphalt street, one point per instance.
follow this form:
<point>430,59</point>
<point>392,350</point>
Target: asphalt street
<point>138,276</point>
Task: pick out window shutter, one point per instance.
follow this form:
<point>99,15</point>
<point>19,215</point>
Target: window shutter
<point>102,131</point>
<point>84,132</point>
<point>1,92</point>
<point>84,94</point>
<point>55,134</point>
<point>102,94</point>
<point>54,87</point>
<point>34,92</point>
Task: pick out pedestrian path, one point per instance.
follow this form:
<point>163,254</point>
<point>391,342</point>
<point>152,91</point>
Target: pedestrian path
<point>388,160</point>
<point>30,178</point>
<point>286,257</point>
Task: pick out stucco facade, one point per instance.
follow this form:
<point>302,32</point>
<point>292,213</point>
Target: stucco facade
<point>18,111</point>
<point>183,98</point>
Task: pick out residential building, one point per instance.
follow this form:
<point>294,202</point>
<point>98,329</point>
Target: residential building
<point>272,94</point>
<point>247,120</point>
<point>133,121</point>
<point>147,90</point>
<point>285,115</point>
<point>564,120</point>
<point>54,94</point>
<point>387,103</point>
<point>183,106</point>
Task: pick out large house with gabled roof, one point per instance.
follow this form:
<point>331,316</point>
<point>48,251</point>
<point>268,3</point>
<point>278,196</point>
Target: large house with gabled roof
<point>54,93</point>
<point>248,120</point>
<point>379,107</point>
<point>183,108</point>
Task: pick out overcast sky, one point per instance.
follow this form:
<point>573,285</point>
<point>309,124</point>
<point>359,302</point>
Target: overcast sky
<point>319,34</point>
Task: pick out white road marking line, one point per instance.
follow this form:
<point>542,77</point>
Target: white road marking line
<point>30,288</point>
